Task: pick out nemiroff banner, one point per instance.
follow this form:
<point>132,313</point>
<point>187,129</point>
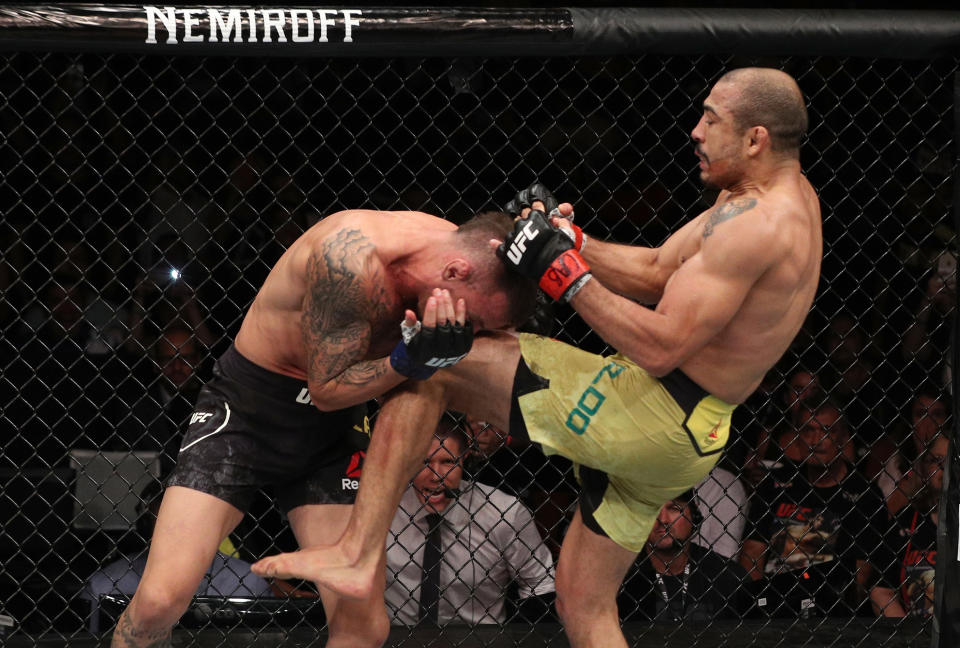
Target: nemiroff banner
<point>249,25</point>
<point>285,31</point>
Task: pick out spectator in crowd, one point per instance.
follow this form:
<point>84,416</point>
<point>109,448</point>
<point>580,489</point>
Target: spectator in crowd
<point>906,585</point>
<point>773,412</point>
<point>486,541</point>
<point>68,391</point>
<point>675,579</point>
<point>721,499</point>
<point>816,524</point>
<point>227,576</point>
<point>74,302</point>
<point>928,337</point>
<point>801,390</point>
<point>853,378</point>
<point>165,393</point>
<point>164,295</point>
<point>891,456</point>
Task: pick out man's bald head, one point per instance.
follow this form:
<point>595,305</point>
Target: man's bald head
<point>772,99</point>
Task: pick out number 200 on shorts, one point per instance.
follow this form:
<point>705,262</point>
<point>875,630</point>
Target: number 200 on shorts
<point>590,400</point>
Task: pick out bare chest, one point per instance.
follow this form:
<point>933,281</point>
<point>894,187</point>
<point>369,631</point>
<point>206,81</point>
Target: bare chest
<point>690,244</point>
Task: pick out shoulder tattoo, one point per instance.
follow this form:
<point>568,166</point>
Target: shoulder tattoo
<point>336,309</point>
<point>726,211</point>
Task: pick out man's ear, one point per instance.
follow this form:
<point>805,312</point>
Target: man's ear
<point>758,139</point>
<point>458,269</point>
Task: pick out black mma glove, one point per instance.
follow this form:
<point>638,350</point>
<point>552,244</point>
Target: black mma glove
<point>423,350</point>
<point>526,197</point>
<point>537,249</point>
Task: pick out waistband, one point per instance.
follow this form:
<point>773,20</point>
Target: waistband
<point>232,365</point>
<point>685,391</point>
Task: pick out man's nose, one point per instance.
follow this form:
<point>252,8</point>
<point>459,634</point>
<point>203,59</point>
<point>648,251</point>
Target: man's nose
<point>697,134</point>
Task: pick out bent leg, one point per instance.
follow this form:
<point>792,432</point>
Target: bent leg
<point>354,623</point>
<point>589,574</point>
<point>481,385</point>
<point>190,527</point>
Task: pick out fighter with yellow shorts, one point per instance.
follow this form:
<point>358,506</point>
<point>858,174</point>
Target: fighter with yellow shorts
<point>636,440</point>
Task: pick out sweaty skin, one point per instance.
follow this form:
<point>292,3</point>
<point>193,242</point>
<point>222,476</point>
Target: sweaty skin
<point>367,270</point>
<point>745,272</point>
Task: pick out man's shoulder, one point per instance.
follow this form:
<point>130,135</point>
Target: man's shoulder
<point>713,563</point>
<point>786,476</point>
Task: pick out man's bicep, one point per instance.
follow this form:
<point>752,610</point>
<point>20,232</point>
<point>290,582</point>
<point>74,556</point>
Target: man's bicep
<point>700,304</point>
<point>707,291</point>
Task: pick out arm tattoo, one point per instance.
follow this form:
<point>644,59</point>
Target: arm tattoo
<point>336,309</point>
<point>727,211</point>
<point>362,373</point>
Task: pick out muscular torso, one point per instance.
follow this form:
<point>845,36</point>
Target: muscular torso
<point>357,252</point>
<point>732,364</point>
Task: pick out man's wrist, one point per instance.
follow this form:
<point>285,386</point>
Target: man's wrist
<point>401,362</point>
<point>567,272</point>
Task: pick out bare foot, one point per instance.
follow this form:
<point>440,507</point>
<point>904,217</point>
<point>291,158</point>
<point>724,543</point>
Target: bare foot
<point>326,566</point>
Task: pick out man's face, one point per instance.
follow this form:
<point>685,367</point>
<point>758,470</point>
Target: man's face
<point>720,144</point>
<point>932,462</point>
<point>824,434</point>
<point>176,355</point>
<point>441,471</point>
<point>844,339</point>
<point>802,385</point>
<point>673,527</point>
<point>929,417</point>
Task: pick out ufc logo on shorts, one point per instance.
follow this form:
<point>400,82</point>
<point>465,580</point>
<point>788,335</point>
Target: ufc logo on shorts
<point>199,417</point>
<point>519,245</point>
<point>440,363</point>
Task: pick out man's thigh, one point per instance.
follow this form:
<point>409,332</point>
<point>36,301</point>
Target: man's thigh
<point>190,526</point>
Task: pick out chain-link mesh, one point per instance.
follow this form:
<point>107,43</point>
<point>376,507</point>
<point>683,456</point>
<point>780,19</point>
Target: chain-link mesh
<point>146,198</point>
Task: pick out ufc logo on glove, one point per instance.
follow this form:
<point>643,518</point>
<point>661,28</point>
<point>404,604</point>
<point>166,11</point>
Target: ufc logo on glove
<point>423,349</point>
<point>519,244</point>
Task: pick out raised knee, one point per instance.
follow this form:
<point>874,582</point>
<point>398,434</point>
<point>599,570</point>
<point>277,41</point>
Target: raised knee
<point>577,612</point>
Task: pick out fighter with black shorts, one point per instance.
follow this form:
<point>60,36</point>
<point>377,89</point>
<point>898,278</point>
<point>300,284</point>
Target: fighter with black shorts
<point>252,428</point>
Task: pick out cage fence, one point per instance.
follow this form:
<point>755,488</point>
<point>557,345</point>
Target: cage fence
<point>148,192</point>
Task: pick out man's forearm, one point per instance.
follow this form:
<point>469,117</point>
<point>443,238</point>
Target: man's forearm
<point>636,331</point>
<point>357,384</point>
<point>634,272</point>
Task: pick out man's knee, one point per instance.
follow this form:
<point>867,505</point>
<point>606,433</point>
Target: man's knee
<point>578,608</point>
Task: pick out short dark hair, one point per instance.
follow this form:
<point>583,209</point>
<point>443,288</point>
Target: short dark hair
<point>810,411</point>
<point>689,499</point>
<point>475,235</point>
<point>772,99</point>
<point>451,427</point>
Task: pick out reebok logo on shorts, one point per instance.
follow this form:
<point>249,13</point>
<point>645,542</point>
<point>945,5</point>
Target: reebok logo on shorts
<point>354,470</point>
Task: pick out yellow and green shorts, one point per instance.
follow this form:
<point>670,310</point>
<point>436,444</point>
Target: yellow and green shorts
<point>636,441</point>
